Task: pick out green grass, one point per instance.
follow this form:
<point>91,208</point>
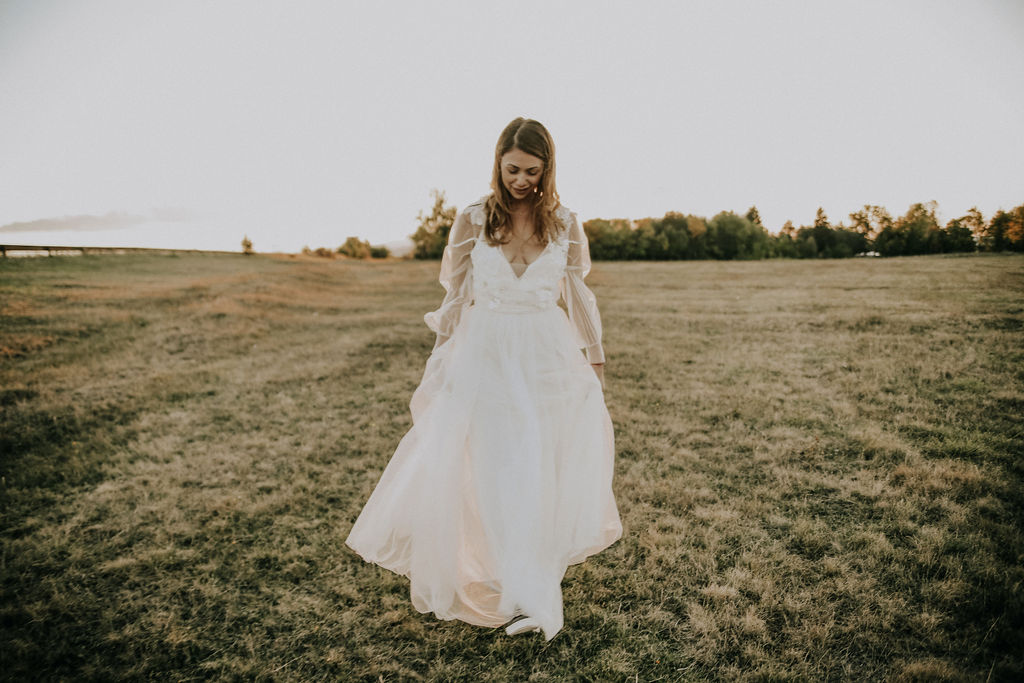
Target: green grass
<point>819,473</point>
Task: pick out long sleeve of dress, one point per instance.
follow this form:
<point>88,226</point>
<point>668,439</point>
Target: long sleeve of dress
<point>579,300</point>
<point>457,279</point>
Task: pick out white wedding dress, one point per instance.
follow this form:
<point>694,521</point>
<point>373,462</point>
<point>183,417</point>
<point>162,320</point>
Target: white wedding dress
<point>505,478</point>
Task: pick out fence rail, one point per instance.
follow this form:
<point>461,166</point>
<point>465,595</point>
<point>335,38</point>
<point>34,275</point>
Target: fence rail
<point>52,250</point>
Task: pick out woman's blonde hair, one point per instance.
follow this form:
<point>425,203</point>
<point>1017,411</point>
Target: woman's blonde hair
<point>533,138</point>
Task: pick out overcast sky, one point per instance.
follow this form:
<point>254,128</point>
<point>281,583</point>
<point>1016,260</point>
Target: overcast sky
<point>188,124</point>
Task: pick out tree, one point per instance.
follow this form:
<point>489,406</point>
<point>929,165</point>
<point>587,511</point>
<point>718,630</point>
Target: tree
<point>993,235</point>
<point>956,236</point>
<point>1015,229</point>
<point>647,242</point>
<point>890,242</point>
<point>754,216</point>
<point>431,236</point>
<point>846,242</point>
<point>920,229</point>
<point>246,245</point>
<point>735,237</point>
<point>610,240</point>
<point>870,221</point>
<point>806,246</point>
<point>676,233</point>
<point>824,236</point>
<point>355,248</point>
<point>783,246</point>
<point>820,219</point>
<point>1005,231</point>
<point>725,235</point>
<point>880,219</point>
<point>974,221</point>
<point>697,226</point>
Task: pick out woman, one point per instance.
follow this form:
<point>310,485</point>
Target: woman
<point>505,477</point>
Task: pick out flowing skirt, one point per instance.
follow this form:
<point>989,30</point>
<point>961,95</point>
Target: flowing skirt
<point>504,479</point>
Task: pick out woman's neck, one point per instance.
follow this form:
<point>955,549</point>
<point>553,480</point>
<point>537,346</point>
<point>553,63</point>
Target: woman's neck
<point>520,207</point>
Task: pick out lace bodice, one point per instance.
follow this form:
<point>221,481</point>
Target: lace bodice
<point>496,285</point>
<point>475,273</point>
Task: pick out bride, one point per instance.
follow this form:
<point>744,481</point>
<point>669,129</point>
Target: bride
<point>505,478</point>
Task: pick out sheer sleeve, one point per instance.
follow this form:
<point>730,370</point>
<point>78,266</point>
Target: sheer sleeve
<point>456,278</point>
<point>580,302</point>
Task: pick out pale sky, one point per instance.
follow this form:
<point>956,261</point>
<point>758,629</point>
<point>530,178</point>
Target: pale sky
<point>302,122</point>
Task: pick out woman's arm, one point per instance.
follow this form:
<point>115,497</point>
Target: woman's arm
<point>579,300</point>
<point>457,279</point>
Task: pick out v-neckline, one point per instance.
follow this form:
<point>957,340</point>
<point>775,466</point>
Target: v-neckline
<point>529,265</point>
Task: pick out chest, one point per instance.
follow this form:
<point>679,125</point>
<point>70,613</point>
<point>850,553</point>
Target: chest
<point>493,263</point>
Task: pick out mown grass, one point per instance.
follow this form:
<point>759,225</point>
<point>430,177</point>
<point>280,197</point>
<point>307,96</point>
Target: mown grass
<point>819,473</point>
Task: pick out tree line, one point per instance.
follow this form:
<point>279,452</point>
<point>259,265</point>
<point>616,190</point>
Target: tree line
<point>676,236</point>
<point>871,231</point>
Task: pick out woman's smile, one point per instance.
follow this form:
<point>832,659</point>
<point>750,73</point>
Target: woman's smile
<point>520,172</point>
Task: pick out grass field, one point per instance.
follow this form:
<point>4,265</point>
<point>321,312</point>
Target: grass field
<point>819,471</point>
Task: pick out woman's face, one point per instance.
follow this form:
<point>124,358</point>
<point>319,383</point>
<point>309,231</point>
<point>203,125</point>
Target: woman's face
<point>520,172</point>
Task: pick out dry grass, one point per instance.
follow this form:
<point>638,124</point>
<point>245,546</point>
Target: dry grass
<point>819,473</point>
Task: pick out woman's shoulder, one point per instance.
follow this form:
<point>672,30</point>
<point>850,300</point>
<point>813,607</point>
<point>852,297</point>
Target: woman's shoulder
<point>564,214</point>
<point>566,217</point>
<point>477,211</point>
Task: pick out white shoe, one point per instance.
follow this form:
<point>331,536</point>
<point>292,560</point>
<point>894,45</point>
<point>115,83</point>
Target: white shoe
<point>524,625</point>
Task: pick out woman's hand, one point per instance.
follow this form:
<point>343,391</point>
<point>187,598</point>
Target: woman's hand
<point>599,371</point>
